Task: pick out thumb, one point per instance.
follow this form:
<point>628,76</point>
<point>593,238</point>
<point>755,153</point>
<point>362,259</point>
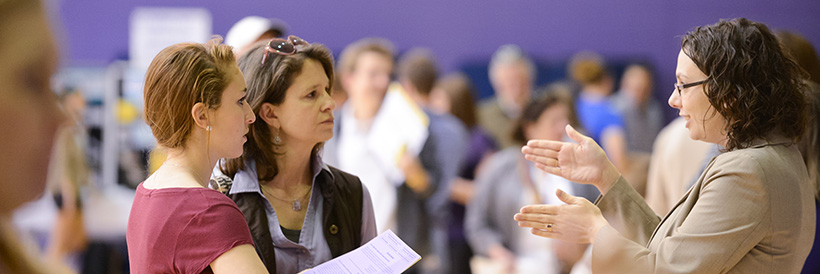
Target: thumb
<point>565,197</point>
<point>574,134</point>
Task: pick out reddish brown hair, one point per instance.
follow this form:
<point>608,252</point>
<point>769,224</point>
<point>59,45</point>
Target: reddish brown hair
<point>179,77</point>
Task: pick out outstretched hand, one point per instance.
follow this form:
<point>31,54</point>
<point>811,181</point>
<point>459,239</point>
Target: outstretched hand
<point>582,162</point>
<point>576,221</point>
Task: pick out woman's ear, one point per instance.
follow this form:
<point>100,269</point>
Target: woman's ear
<point>200,114</point>
<point>269,113</point>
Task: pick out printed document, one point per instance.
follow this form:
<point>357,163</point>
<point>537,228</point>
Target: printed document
<point>385,254</point>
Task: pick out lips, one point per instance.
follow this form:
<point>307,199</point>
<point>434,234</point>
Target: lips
<point>328,120</point>
<point>686,118</point>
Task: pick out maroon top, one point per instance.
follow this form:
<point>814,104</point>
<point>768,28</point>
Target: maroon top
<point>182,230</point>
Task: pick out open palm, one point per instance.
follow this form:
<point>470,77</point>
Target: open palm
<point>581,162</point>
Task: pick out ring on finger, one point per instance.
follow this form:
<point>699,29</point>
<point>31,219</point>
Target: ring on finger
<point>549,227</point>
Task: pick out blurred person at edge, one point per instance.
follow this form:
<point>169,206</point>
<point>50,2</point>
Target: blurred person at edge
<point>454,94</point>
<point>195,105</point>
<point>407,207</point>
<point>595,109</point>
<point>417,74</point>
<point>512,74</point>
<point>507,182</point>
<point>806,57</point>
<point>252,29</point>
<point>751,211</point>
<point>301,211</point>
<point>31,117</point>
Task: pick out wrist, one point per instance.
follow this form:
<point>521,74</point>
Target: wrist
<point>608,178</point>
<point>596,227</point>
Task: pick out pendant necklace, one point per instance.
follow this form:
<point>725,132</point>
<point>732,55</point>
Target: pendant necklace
<point>295,204</point>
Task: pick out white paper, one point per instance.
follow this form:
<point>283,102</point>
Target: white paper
<point>385,254</point>
<point>400,127</point>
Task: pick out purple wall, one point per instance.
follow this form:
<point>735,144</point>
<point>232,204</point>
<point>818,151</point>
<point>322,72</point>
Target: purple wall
<point>460,31</point>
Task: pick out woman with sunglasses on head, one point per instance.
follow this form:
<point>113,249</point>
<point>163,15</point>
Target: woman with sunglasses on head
<point>301,211</point>
<point>195,105</point>
<point>751,210</point>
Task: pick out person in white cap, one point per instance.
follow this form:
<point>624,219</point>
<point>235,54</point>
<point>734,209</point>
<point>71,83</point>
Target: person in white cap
<point>252,29</point>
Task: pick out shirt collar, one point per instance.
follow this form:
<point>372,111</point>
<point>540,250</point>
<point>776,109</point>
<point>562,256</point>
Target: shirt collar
<point>771,139</point>
<point>247,180</point>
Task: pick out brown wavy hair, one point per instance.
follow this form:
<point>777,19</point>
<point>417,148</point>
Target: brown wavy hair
<point>267,83</point>
<point>751,82</point>
<point>179,77</point>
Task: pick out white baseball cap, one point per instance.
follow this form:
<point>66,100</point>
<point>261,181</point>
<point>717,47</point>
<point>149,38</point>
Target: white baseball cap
<point>247,30</point>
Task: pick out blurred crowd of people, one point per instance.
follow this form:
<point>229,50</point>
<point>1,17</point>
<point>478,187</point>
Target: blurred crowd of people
<point>431,163</point>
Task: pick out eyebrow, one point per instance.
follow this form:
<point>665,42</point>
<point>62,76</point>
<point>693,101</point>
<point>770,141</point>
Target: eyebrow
<point>311,88</point>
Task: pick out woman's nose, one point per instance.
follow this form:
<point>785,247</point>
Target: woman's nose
<point>329,103</point>
<point>674,99</point>
<point>249,114</point>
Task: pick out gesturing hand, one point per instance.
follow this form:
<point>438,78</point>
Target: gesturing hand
<point>581,162</point>
<point>576,221</point>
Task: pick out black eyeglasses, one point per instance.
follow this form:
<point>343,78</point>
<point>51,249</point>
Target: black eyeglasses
<point>679,86</point>
<point>282,46</point>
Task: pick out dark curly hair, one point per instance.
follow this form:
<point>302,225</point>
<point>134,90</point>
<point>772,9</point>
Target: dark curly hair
<point>751,82</point>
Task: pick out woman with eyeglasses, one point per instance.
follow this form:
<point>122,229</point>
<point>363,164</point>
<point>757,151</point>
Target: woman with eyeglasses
<point>195,105</point>
<point>301,212</point>
<point>751,210</point>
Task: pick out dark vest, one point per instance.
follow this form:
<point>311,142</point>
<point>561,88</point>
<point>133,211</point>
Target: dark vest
<point>342,215</point>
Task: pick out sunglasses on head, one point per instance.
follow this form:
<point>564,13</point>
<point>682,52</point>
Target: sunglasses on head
<point>283,46</point>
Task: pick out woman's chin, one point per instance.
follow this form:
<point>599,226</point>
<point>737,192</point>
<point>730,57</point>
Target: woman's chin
<point>234,155</point>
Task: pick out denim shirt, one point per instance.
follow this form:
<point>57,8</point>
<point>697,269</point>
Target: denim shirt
<point>312,248</point>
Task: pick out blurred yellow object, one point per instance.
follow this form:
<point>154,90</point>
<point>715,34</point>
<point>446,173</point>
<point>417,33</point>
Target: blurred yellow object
<point>155,159</point>
<point>126,112</point>
<point>402,151</point>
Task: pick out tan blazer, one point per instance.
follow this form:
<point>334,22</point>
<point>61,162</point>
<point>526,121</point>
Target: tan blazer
<point>751,211</point>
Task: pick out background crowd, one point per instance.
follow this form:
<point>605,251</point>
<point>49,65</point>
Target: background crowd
<point>433,131</point>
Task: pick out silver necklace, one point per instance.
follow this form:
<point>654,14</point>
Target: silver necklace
<point>295,204</point>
